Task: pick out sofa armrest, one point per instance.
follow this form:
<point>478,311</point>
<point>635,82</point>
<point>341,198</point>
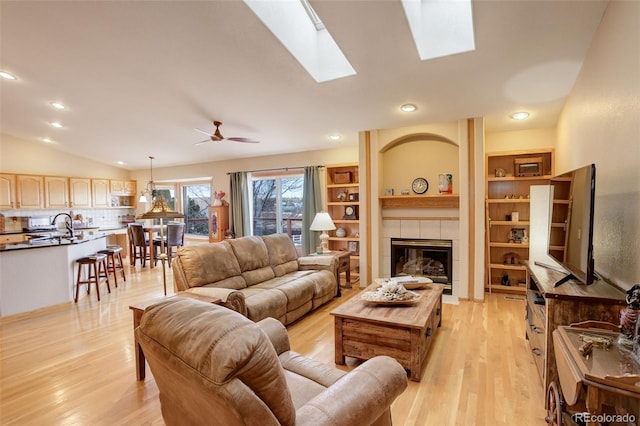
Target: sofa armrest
<point>329,263</point>
<point>179,279</point>
<point>380,381</point>
<point>230,298</point>
<point>277,334</point>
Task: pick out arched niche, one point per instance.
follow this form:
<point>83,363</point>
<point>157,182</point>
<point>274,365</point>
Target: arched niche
<point>415,155</point>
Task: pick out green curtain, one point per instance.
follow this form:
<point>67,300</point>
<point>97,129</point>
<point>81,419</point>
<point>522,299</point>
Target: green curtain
<point>239,215</point>
<point>312,195</point>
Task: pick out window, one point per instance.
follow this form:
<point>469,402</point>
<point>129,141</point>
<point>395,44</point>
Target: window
<point>196,199</point>
<point>277,205</point>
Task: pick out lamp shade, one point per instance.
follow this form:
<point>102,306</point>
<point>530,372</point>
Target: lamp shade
<point>161,210</point>
<point>322,222</point>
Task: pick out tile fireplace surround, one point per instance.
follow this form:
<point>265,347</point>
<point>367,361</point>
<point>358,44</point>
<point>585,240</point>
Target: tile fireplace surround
<point>437,229</point>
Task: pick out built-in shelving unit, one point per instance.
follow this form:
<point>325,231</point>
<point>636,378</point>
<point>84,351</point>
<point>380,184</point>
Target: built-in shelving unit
<point>509,176</point>
<point>343,197</point>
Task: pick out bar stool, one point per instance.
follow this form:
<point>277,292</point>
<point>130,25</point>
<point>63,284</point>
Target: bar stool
<point>95,269</point>
<point>114,252</point>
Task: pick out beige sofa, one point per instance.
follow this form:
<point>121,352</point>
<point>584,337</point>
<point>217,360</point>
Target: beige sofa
<point>215,367</point>
<point>259,277</point>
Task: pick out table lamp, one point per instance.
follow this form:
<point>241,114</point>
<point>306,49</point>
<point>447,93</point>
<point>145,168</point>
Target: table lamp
<point>322,222</point>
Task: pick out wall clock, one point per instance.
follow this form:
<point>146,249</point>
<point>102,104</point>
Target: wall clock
<point>420,185</point>
<point>350,213</point>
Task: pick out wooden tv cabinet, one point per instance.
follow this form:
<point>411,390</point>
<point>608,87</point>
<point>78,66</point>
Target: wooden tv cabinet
<point>548,307</point>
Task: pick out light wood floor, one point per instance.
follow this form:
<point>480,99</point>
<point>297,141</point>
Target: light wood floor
<point>73,364</point>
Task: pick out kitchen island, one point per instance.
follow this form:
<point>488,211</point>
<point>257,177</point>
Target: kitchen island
<point>42,273</point>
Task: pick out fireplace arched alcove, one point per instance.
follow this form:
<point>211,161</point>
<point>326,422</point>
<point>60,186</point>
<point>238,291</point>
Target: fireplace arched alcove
<point>424,155</point>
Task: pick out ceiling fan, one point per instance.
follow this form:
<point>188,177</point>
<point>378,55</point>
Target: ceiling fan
<point>217,136</point>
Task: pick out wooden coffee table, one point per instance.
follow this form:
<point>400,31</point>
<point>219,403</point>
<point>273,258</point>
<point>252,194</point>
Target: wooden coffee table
<point>404,332</point>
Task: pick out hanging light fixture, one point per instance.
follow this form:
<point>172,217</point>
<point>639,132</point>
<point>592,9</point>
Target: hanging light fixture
<point>150,189</point>
<point>160,210</point>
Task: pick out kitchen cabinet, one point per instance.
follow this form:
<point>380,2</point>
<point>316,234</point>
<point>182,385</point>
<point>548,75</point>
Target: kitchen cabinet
<point>123,193</point>
<point>100,192</point>
<point>116,186</point>
<point>509,176</point>
<point>56,192</point>
<point>130,187</point>
<point>122,187</point>
<point>80,193</point>
<point>7,192</point>
<point>343,205</point>
<point>29,192</point>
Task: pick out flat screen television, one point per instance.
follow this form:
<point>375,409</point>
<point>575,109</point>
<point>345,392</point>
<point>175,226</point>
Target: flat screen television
<point>576,257</point>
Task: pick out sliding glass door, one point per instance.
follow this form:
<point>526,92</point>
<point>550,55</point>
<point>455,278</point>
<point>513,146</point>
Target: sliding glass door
<point>277,205</point>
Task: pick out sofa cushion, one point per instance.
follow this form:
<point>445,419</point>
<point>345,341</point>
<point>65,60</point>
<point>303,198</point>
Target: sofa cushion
<point>298,290</point>
<point>211,264</point>
<point>283,257</point>
<point>253,258</point>
<point>262,303</point>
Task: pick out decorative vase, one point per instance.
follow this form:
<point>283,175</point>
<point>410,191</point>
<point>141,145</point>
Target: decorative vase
<point>341,232</point>
<point>217,202</point>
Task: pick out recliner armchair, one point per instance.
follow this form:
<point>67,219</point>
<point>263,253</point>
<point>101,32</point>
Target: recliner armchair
<point>214,366</point>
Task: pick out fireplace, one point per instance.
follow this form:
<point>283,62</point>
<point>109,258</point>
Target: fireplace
<point>423,257</point>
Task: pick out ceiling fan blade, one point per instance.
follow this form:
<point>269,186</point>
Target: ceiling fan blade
<point>244,140</point>
<point>202,142</point>
<point>203,132</point>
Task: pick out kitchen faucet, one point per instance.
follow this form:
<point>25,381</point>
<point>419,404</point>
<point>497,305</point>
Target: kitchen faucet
<point>67,223</point>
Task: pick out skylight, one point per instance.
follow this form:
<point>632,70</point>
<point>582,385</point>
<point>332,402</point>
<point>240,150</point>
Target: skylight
<point>440,27</point>
<point>301,31</point>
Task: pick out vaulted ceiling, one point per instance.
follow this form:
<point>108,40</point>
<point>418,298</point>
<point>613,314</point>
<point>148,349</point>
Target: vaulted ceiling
<point>138,76</point>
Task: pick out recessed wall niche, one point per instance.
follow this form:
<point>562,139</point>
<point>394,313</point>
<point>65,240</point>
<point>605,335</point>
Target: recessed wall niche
<point>419,156</point>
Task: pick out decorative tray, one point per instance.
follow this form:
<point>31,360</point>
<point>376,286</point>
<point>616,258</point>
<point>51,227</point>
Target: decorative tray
<point>390,293</point>
<point>411,301</point>
<point>416,283</point>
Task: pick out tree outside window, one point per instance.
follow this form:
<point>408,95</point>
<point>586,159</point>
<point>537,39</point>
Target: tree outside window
<point>277,206</point>
<point>196,203</point>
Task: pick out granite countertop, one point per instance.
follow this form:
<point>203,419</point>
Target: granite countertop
<point>75,228</point>
<point>55,242</point>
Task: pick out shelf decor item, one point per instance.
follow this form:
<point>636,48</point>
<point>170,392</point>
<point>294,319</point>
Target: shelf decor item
<point>527,167</point>
<point>445,183</point>
<point>420,185</point>
<point>354,247</point>
<point>342,177</point>
<point>350,213</point>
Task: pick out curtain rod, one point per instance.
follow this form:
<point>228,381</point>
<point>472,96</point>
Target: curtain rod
<point>286,169</point>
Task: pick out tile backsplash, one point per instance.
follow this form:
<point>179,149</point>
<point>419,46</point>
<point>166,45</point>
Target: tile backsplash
<point>104,218</point>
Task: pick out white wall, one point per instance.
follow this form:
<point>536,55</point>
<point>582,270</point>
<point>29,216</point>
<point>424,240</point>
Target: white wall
<point>601,124</point>
<point>19,156</point>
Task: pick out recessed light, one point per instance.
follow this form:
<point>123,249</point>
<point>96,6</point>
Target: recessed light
<point>122,163</point>
<point>7,76</point>
<point>47,140</point>
<point>57,105</point>
<point>520,115</point>
<point>56,124</point>
<point>334,137</point>
<point>408,107</point>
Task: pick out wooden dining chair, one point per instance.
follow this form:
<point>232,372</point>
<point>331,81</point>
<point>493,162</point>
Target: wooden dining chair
<point>139,242</point>
<point>174,238</point>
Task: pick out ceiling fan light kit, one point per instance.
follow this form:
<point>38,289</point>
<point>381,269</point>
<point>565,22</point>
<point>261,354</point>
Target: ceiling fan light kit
<point>217,136</point>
